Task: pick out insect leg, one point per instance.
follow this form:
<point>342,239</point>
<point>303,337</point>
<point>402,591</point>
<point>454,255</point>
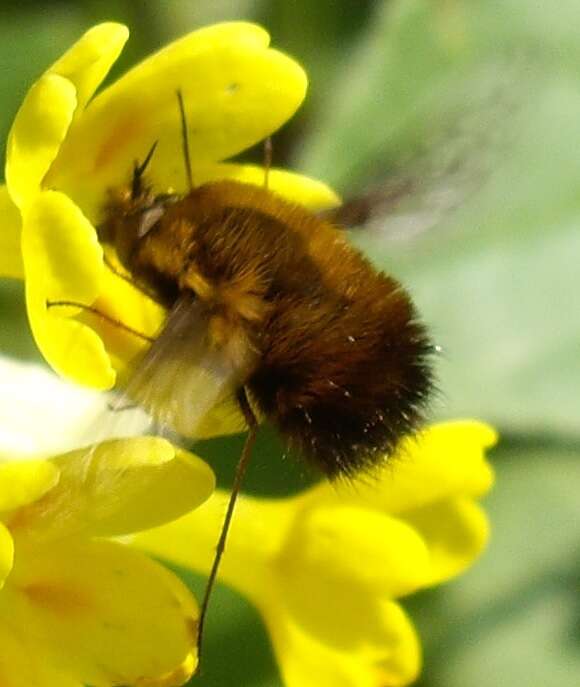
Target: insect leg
<point>116,272</point>
<point>236,486</point>
<point>128,279</point>
<point>102,315</point>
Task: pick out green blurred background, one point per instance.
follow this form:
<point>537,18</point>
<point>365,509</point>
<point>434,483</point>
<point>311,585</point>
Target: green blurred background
<point>480,98</point>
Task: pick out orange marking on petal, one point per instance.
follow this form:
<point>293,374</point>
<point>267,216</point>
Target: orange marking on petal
<point>127,128</point>
<point>21,518</point>
<point>18,521</point>
<point>56,598</point>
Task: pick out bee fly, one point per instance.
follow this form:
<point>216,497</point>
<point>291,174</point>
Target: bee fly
<point>271,308</point>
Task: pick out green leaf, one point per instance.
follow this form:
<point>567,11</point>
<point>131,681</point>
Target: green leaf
<point>15,336</point>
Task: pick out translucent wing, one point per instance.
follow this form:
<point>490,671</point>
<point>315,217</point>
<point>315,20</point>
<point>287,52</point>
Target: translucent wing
<point>183,376</point>
<point>410,201</point>
<point>464,139</point>
<point>178,381</point>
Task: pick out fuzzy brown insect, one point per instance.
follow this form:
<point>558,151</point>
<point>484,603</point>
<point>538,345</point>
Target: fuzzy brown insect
<point>326,348</point>
<point>269,307</point>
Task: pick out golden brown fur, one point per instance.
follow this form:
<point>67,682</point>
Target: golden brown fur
<point>342,363</point>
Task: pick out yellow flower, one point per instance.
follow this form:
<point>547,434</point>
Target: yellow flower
<point>76,608</point>
<point>67,148</point>
<point>324,568</point>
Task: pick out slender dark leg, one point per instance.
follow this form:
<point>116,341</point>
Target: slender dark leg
<point>115,271</point>
<point>236,486</point>
<point>107,318</point>
<point>130,280</point>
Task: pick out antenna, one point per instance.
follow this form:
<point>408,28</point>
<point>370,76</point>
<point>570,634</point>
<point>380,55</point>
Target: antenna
<point>139,170</point>
<point>185,140</point>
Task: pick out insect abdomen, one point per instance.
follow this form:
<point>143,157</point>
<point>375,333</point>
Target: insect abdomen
<point>344,373</point>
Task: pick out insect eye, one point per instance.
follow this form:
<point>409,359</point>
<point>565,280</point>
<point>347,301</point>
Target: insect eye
<point>149,216</point>
<point>149,219</point>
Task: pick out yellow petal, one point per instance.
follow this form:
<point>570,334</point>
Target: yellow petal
<point>297,188</point>
<point>106,613</point>
<point>255,539</point>
<point>61,250</point>
<point>174,678</point>
<point>444,461</point>
<point>455,531</point>
<point>63,261</point>
<point>25,481</point>
<point>6,554</point>
<point>39,128</point>
<point>388,654</point>
<point>26,665</point>
<point>69,347</point>
<point>120,487</point>
<point>352,548</point>
<point>248,91</point>
<point>10,232</point>
<point>224,418</point>
<point>400,662</point>
<point>329,625</point>
<point>88,61</point>
<point>306,662</point>
<point>122,301</point>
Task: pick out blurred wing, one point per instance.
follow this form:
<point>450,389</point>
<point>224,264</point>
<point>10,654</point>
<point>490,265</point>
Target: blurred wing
<point>175,385</point>
<point>410,202</point>
<point>464,138</point>
<point>181,377</point>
